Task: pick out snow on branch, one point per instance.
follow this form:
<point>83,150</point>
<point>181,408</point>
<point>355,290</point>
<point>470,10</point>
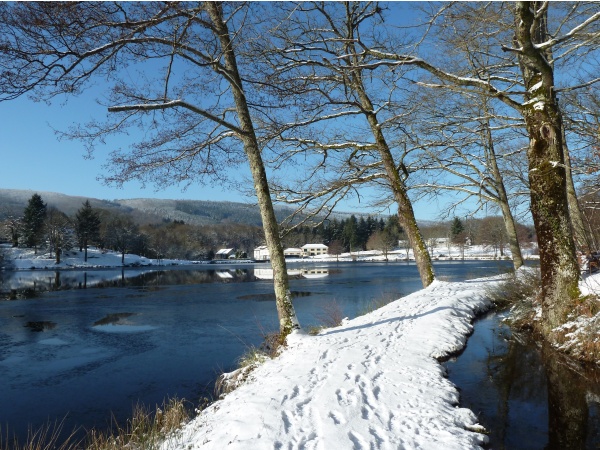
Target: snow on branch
<point>175,104</point>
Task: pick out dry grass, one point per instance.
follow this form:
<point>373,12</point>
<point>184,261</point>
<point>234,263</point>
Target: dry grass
<point>146,430</point>
<point>330,316</point>
<point>375,304</point>
<point>519,287</point>
<point>250,360</point>
<point>46,437</point>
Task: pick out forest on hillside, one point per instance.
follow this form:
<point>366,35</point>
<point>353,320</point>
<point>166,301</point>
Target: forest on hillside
<point>50,229</point>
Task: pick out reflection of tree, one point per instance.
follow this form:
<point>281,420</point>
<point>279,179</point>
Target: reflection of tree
<point>567,406</point>
<point>524,377</point>
<point>518,376</point>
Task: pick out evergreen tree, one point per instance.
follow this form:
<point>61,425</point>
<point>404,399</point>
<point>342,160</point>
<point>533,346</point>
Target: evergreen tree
<point>456,229</point>
<point>87,226</point>
<point>349,234</point>
<point>34,218</point>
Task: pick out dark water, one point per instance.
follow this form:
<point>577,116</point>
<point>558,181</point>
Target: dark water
<point>527,396</point>
<point>87,345</point>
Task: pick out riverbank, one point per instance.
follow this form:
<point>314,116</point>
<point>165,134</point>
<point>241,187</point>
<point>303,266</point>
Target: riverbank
<point>374,382</point>
<point>28,259</point>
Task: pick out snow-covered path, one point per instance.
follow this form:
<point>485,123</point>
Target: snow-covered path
<point>373,383</point>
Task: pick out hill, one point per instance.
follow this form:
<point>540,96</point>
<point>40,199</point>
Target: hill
<point>146,210</point>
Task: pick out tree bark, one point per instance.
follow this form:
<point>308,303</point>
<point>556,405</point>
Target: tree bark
<point>582,239</point>
<point>547,174</point>
<point>283,296</point>
<point>509,220</point>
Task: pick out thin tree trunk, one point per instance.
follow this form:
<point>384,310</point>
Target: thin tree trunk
<point>406,214</point>
<point>509,220</point>
<point>283,296</point>
<point>547,175</point>
<point>581,237</point>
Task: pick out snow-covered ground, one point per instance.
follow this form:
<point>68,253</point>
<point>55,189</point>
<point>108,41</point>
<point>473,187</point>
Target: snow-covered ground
<point>25,258</point>
<point>440,251</point>
<point>372,383</point>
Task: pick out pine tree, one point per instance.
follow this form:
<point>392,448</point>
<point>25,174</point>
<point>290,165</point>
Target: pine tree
<point>456,228</point>
<point>87,226</point>
<point>34,218</point>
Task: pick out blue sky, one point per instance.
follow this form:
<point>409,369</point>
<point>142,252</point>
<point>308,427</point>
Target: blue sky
<point>34,158</point>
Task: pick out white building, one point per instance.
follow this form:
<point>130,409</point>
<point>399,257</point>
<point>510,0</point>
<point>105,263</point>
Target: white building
<point>314,249</point>
<point>262,253</point>
<point>225,253</point>
<point>292,252</point>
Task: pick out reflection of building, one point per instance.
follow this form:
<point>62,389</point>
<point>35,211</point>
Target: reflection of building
<point>314,249</point>
<point>315,273</point>
<point>225,253</point>
<point>292,252</point>
<point>261,253</point>
<point>267,274</point>
<point>225,274</point>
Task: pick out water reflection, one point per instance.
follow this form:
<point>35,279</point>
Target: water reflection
<point>41,325</point>
<point>28,284</point>
<point>528,397</point>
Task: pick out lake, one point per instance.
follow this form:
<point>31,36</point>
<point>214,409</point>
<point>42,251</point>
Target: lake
<point>86,345</point>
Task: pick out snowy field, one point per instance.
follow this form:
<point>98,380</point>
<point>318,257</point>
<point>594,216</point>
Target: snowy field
<point>25,258</point>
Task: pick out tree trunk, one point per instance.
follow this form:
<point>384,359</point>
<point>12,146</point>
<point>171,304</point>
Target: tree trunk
<point>547,174</point>
<point>85,247</point>
<point>509,220</point>
<point>406,214</point>
<point>581,237</point>
<point>283,296</point>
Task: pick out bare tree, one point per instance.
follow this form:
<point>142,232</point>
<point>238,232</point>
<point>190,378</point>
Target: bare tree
<point>59,232</point>
<point>529,89</point>
<point>384,241</point>
<point>319,63</point>
<point>458,140</point>
<point>189,95</point>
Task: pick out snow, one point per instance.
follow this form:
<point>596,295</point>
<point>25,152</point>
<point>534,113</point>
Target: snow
<point>23,259</point>
<point>375,382</point>
<point>440,251</point>
<point>536,86</point>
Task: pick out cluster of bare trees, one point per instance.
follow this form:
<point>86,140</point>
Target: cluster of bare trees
<point>335,97</point>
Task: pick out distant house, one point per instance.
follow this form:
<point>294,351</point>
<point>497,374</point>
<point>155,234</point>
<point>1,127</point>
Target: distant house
<point>225,253</point>
<point>292,252</point>
<point>262,253</point>
<point>314,249</point>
